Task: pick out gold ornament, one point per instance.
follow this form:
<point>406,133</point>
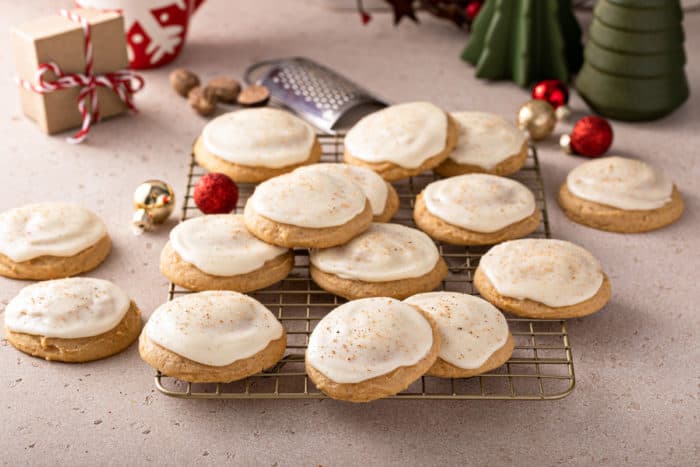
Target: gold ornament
<point>154,201</point>
<point>537,118</point>
<point>565,144</point>
<point>563,113</point>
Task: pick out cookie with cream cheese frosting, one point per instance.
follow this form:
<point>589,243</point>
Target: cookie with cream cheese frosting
<point>78,319</point>
<point>50,241</point>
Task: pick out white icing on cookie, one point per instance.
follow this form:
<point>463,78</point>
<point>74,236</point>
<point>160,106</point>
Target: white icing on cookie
<point>366,338</point>
<point>53,229</point>
<point>67,308</point>
<point>621,183</point>
<point>485,139</point>
<point>404,134</point>
<point>221,245</point>
<point>373,186</point>
<point>553,272</point>
<point>308,199</point>
<point>479,202</point>
<point>213,328</point>
<point>384,252</point>
<point>471,329</point>
<point>263,137</point>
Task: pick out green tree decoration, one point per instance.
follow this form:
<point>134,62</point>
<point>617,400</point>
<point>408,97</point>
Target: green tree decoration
<point>634,60</point>
<point>525,40</point>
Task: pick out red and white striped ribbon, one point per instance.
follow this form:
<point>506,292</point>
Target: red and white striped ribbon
<point>123,82</point>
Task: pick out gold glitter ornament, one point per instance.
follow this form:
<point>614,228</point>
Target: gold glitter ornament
<point>154,201</point>
<point>537,119</point>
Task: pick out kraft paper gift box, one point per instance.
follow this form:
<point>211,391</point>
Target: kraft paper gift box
<point>62,41</point>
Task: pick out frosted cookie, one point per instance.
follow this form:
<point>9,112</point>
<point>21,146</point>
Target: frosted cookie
<point>307,209</point>
<point>387,260</point>
<point>51,240</point>
<point>381,195</point>
<point>474,335</point>
<point>488,143</point>
<point>253,145</point>
<point>72,320</point>
<point>476,209</point>
<point>212,337</point>
<point>620,195</point>
<point>402,140</point>
<point>371,348</point>
<point>542,278</point>
<point>216,252</point>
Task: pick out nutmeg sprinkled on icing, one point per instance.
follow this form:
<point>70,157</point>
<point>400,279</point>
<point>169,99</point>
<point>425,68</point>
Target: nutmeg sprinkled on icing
<point>485,139</point>
<point>67,308</point>
<point>53,229</point>
<point>373,186</point>
<point>620,182</point>
<point>366,338</point>
<point>308,199</point>
<point>479,202</point>
<point>404,134</point>
<point>263,137</point>
<point>471,329</point>
<point>221,245</point>
<point>553,272</point>
<point>383,252</point>
<point>213,328</point>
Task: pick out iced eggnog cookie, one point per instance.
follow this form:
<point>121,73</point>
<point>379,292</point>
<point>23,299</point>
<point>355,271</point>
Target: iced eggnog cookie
<point>542,278</point>
<point>72,320</point>
<point>51,240</point>
<point>387,260</point>
<point>402,140</point>
<point>253,145</point>
<point>307,209</point>
<point>474,335</point>
<point>217,252</point>
<point>212,337</point>
<point>476,209</point>
<point>620,195</point>
<point>371,348</point>
<point>381,195</point>
<point>488,143</point>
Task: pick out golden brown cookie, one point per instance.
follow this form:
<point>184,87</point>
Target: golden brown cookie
<point>531,309</point>
<point>390,171</point>
<point>604,217</point>
<point>444,231</point>
<point>56,267</point>
<point>377,387</point>
<point>190,277</point>
<point>512,164</point>
<point>391,206</point>
<point>290,236</point>
<point>245,173</point>
<point>171,364</point>
<point>82,349</point>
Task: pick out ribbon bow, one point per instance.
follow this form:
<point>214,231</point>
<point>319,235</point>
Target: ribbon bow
<point>123,82</point>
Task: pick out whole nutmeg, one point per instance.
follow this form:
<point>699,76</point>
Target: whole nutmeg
<point>183,81</point>
<point>225,89</point>
<point>202,100</point>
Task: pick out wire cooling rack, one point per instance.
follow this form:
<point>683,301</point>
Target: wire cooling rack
<point>541,366</point>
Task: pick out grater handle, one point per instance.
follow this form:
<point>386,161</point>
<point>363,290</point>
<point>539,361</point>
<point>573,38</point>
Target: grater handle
<point>248,74</point>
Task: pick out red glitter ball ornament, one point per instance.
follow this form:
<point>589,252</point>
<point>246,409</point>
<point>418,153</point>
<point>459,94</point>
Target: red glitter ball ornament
<point>553,91</point>
<point>472,9</point>
<point>591,137</point>
<point>215,193</point>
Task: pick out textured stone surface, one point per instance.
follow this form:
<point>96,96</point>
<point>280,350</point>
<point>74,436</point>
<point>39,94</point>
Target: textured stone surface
<point>636,400</point>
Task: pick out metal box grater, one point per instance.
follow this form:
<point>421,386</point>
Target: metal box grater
<point>317,94</point>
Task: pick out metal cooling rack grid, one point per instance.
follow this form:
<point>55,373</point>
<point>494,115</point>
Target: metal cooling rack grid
<point>541,366</point>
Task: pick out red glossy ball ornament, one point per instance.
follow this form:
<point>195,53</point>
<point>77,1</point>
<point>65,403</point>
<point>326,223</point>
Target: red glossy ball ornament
<point>472,9</point>
<point>215,193</point>
<point>591,136</point>
<point>553,91</point>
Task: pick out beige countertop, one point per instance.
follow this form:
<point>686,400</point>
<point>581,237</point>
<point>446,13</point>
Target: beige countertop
<point>638,379</point>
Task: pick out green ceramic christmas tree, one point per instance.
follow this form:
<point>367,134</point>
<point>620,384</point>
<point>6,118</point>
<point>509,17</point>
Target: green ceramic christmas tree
<point>525,40</point>
<point>634,60</point>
